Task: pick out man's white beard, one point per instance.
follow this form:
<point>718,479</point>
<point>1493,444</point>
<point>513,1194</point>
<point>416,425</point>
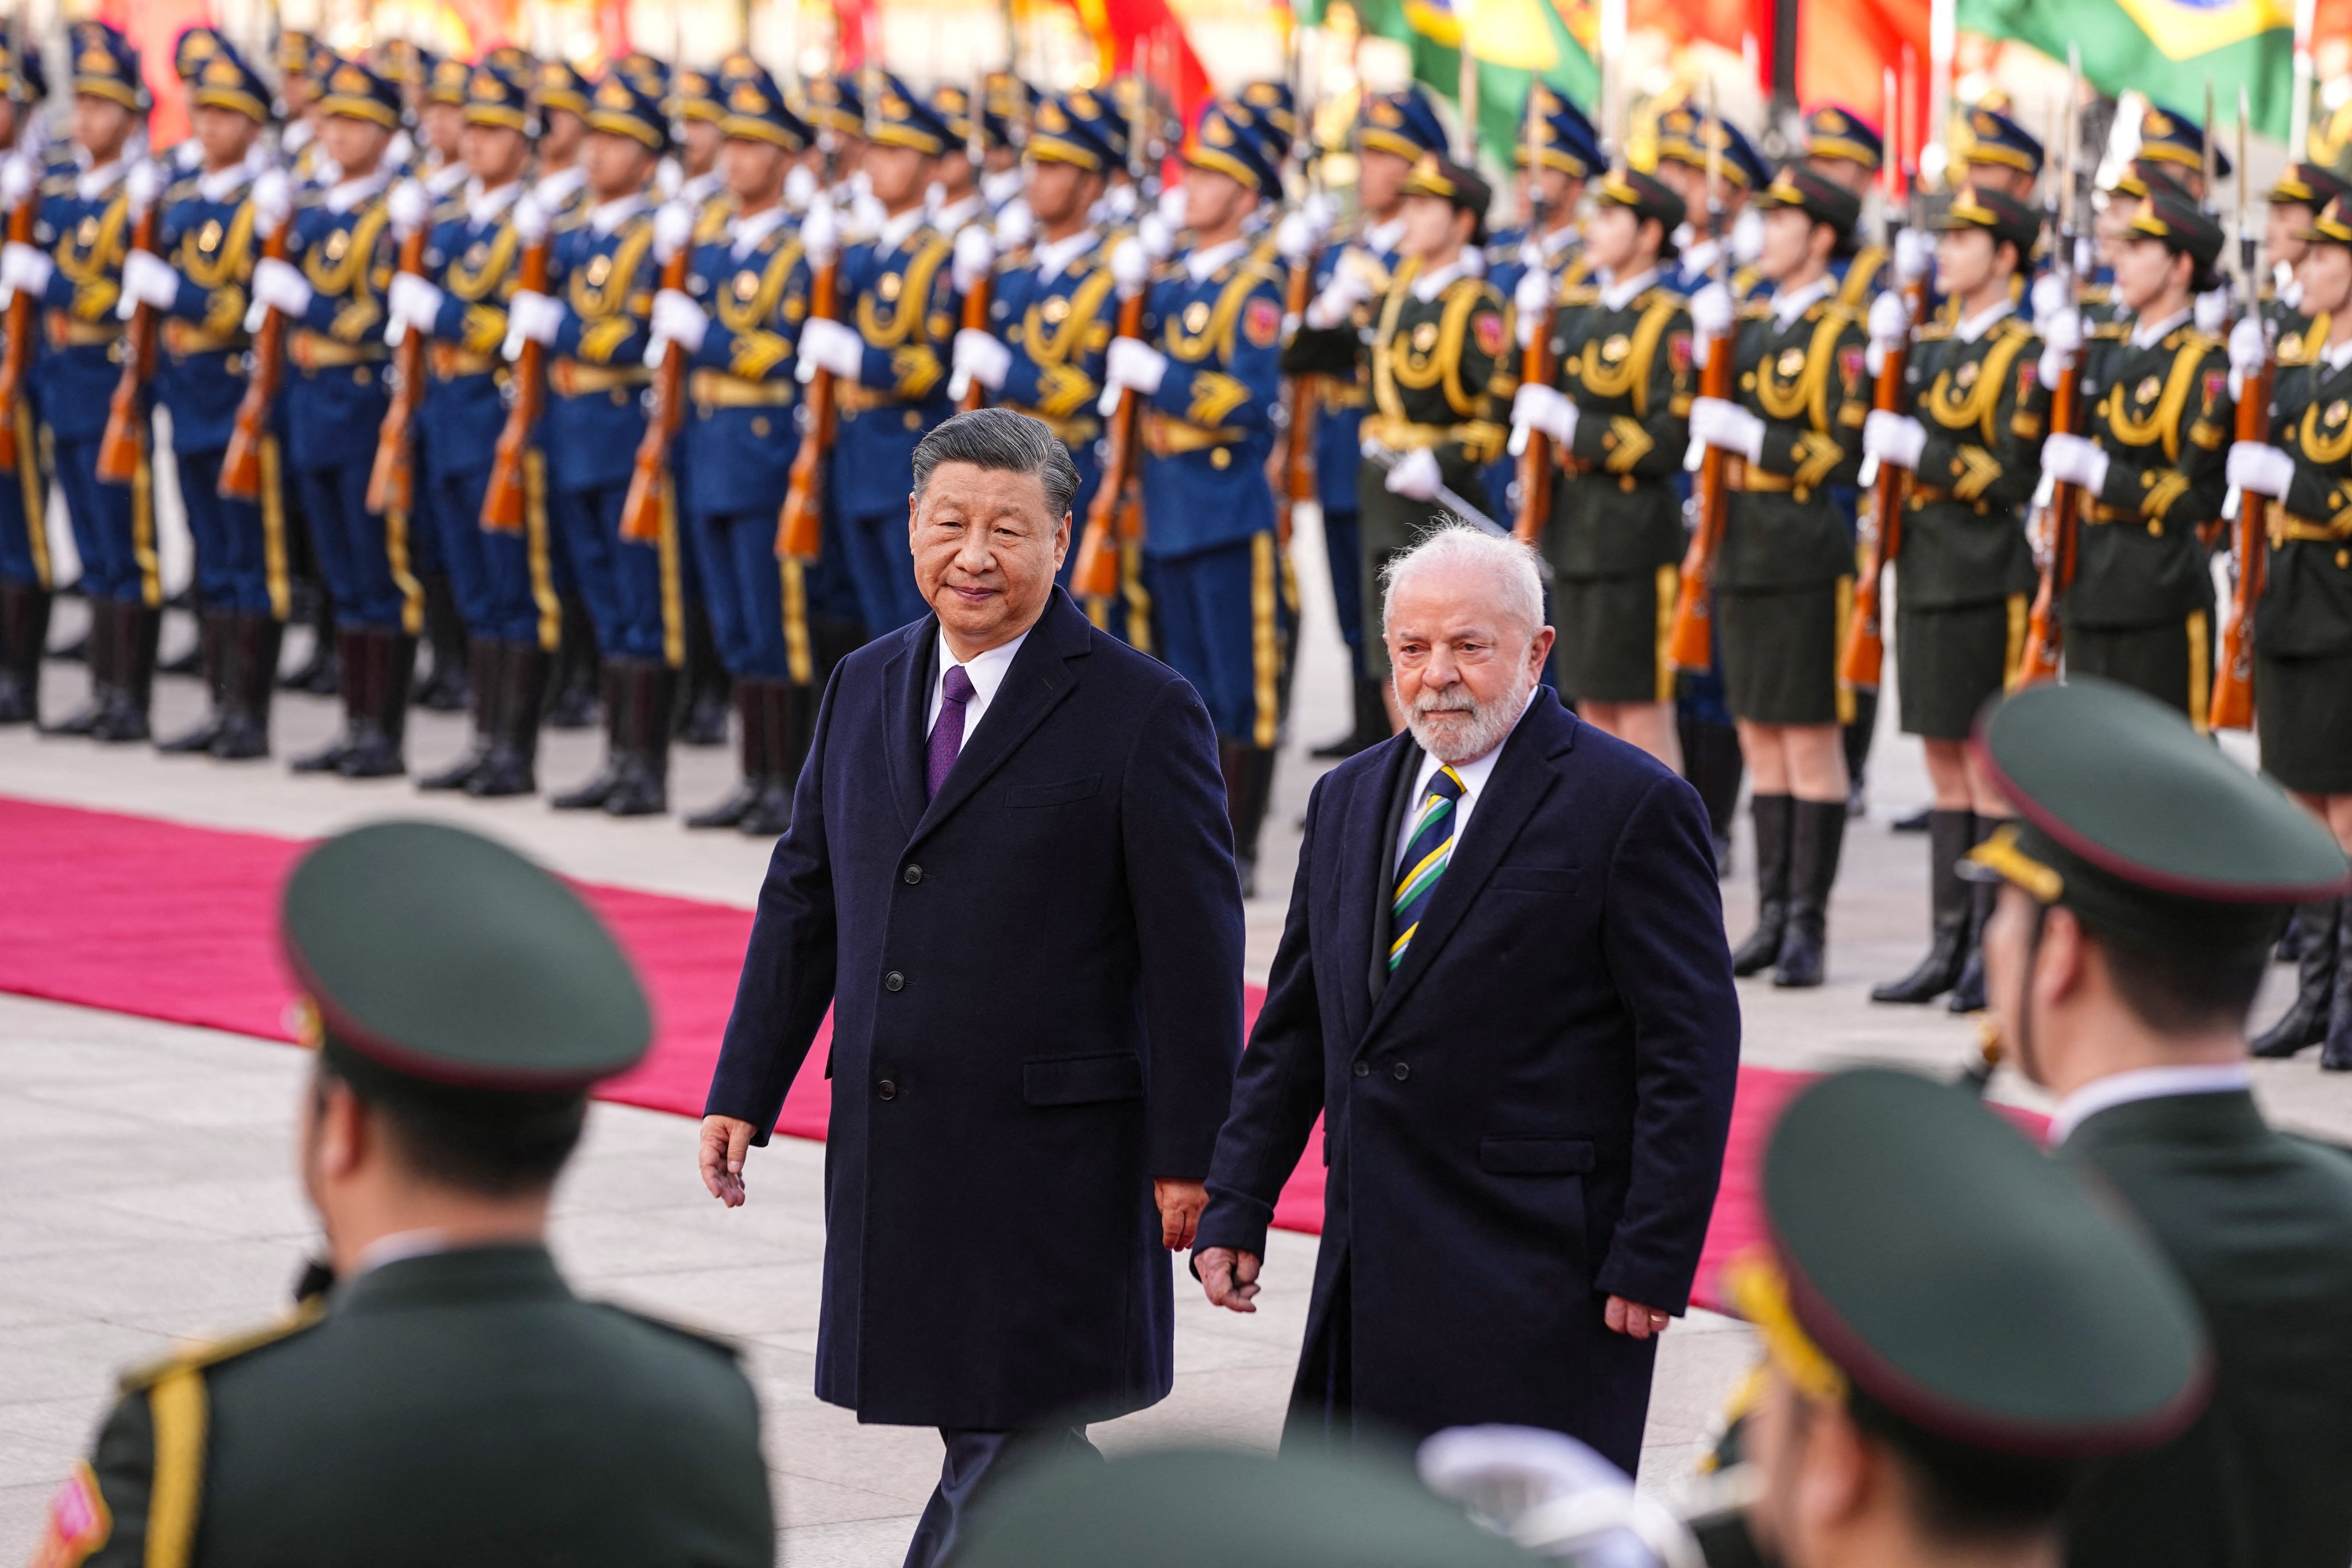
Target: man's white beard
<point>1454,727</point>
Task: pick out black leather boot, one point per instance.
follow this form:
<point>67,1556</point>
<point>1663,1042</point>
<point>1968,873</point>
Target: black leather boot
<point>2335,1051</point>
<point>1949,834</point>
<point>1371,726</point>
<point>751,709</point>
<point>350,674</point>
<point>781,723</point>
<point>591,795</point>
<point>137,630</point>
<point>650,687</point>
<point>24,633</point>
<point>380,752</point>
<point>2307,1017</point>
<point>1855,739</point>
<point>212,658</point>
<point>1249,781</point>
<point>1772,816</point>
<point>322,673</point>
<point>1968,991</point>
<point>482,657</point>
<point>702,717</point>
<point>99,646</point>
<point>1818,834</point>
<point>252,644</point>
<point>1712,763</point>
<point>448,685</point>
<point>512,766</point>
<point>578,682</point>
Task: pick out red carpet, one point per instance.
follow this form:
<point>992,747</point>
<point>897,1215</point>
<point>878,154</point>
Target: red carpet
<point>151,918</point>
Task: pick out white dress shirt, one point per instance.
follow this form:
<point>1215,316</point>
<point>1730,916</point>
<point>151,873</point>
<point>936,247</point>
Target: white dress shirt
<point>1983,321</point>
<point>1791,303</point>
<point>1474,776</point>
<point>1054,256</point>
<point>1200,265</point>
<point>1616,296</point>
<point>987,672</point>
<point>2144,1083</point>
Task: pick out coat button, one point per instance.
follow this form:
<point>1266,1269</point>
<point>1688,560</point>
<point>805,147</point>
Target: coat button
<point>1363,1070</point>
<point>913,874</point>
<point>887,1088</point>
<point>1402,1072</point>
<point>894,980</point>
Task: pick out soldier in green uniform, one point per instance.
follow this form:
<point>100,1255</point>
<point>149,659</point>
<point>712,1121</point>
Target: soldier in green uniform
<point>449,1400</point>
<point>2302,192</point>
<point>1784,570</point>
<point>2140,608</point>
<point>1617,416</point>
<point>1969,432</point>
<point>2302,624</point>
<point>1956,1330</point>
<point>2145,882</point>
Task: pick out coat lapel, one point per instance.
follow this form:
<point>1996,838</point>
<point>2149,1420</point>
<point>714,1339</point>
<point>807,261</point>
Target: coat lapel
<point>1036,684</point>
<point>1364,822</point>
<point>907,692</point>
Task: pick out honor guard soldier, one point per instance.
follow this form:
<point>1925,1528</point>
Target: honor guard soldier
<point>441,120</point>
<point>961,203</point>
<point>1209,369</point>
<point>1394,131</point>
<point>699,114</point>
<point>449,1397</point>
<point>200,275</point>
<point>505,581</point>
<point>593,322</point>
<point>2303,623</point>
<point>2303,191</point>
<point>303,66</point>
<point>1529,270</point>
<point>190,50</point>
<point>24,565</point>
<point>2173,152</point>
<point>1969,430</point>
<point>1011,105</point>
<point>1783,575</point>
<point>1847,150</point>
<point>74,268</point>
<point>562,100</point>
<point>1619,417</point>
<point>2000,156</point>
<point>2151,468</point>
<point>1957,1334</point>
<point>888,355</point>
<point>780,627</point>
<point>2145,883</point>
<point>1684,135</point>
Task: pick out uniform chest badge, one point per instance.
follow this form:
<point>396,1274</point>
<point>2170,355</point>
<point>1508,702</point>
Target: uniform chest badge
<point>208,237</point>
<point>1618,346</point>
<point>888,287</point>
<point>1056,309</point>
<point>747,285</point>
<point>599,269</point>
<point>1196,316</point>
<point>1965,376</point>
<point>337,243</point>
<point>1262,323</point>
<point>86,236</point>
<point>2147,390</point>
<point>1424,337</point>
<point>1791,363</point>
<point>1487,328</point>
<point>2337,411</point>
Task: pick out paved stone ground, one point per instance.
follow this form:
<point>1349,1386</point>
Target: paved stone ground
<point>148,1177</point>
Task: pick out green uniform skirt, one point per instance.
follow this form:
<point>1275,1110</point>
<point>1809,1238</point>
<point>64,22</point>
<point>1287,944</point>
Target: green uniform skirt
<point>1779,653</point>
<point>2303,712</point>
<point>1948,662</point>
<point>1613,638</point>
<point>2172,662</point>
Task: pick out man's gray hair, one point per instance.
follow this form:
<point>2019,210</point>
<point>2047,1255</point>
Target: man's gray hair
<point>1005,442</point>
<point>1465,547</point>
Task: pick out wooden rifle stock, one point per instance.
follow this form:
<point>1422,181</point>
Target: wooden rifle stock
<point>1690,644</point>
<point>502,502</point>
<point>391,480</point>
<point>2042,632</point>
<point>240,475</point>
<point>800,530</point>
<point>2233,678</point>
<point>23,321</point>
<point>641,514</point>
<point>1298,440</point>
<point>121,449</point>
<point>1865,643</point>
<point>1096,575</point>
<point>1535,369</point>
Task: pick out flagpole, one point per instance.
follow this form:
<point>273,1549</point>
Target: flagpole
<point>1614,28</point>
<point>1468,150</point>
<point>1943,36</point>
<point>2298,123</point>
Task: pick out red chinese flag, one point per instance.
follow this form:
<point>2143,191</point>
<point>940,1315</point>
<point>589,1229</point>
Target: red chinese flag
<point>1845,48</point>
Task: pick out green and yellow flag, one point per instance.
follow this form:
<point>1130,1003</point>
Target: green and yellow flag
<point>1514,43</point>
<point>2167,49</point>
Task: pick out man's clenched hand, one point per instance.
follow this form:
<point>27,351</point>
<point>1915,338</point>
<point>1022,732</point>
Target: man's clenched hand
<point>1181,1203</point>
<point>1230,1278</point>
<point>724,1140</point>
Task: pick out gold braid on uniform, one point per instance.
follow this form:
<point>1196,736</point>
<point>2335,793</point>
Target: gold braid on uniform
<point>221,273</point>
<point>758,350</point>
<point>603,304</point>
<point>485,321</point>
<point>1063,388</point>
<point>91,259</point>
<point>338,268</point>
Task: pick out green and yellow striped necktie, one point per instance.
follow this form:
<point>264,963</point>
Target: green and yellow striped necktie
<point>1426,851</point>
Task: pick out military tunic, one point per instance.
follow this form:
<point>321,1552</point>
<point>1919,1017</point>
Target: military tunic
<point>1506,268</point>
<point>2303,623</point>
<point>1964,568</point>
<point>1058,324</point>
<point>2140,610</point>
<point>1614,537</point>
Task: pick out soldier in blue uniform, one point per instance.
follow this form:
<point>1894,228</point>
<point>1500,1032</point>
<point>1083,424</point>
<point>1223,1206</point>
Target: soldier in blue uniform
<point>1210,365</point>
<point>2000,156</point>
<point>888,358</point>
<point>74,269</point>
<point>25,570</point>
<point>593,322</point>
<point>200,275</point>
<point>2172,149</point>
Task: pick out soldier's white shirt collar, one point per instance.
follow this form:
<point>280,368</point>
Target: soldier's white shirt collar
<point>1699,257</point>
<point>1385,237</point>
<point>345,194</point>
<point>2337,356</point>
<point>1789,304</point>
<point>486,208</point>
<point>399,1245</point>
<point>609,216</point>
<point>893,231</point>
<point>445,179</point>
<point>554,190</point>
<point>1428,286</point>
<point>1055,256</point>
<point>700,188</point>
<point>1203,264</point>
<point>219,184</point>
<point>95,182</point>
<point>297,137</point>
<point>1983,321</point>
<point>1616,296</point>
<point>949,217</point>
<point>2155,332</point>
<point>2143,1083</point>
<point>749,228</point>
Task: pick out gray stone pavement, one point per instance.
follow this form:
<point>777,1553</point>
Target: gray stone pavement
<point>148,1173</point>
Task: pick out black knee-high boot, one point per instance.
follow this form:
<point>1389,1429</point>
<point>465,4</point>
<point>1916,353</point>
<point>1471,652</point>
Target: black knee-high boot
<point>2305,1021</point>
<point>649,691</point>
<point>349,682</point>
<point>137,630</point>
<point>512,766</point>
<point>483,657</point>
<point>99,645</point>
<point>254,642</point>
<point>1818,836</point>
<point>24,633</point>
<point>1968,991</point>
<point>772,814</point>
<point>592,795</point>
<point>1772,816</point>
<point>1949,834</point>
<point>751,713</point>
<point>212,661</point>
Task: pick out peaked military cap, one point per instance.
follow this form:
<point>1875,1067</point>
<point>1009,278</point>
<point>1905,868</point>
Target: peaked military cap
<point>895,117</point>
<point>301,54</point>
<point>1448,181</point>
<point>22,80</point>
<point>1684,135</point>
<point>1645,196</point>
<point>223,81</point>
<point>436,954</point>
<point>1404,124</point>
<point>755,110</point>
<point>1563,137</point>
<point>498,95</point>
<point>1009,103</point>
<point>2185,228</point>
<point>1075,128</point>
<point>1833,130</point>
<point>695,95</point>
<point>355,93</point>
<point>644,71</point>
<point>631,107</point>
<point>193,47</point>
<point>560,87</point>
<point>2307,184</point>
<point>952,101</point>
<point>2169,138</point>
<point>2002,216</point>
<point>2140,825</point>
<point>1272,107</point>
<point>1924,1254</point>
<point>1995,138</point>
<point>513,59</point>
<point>1821,199</point>
<point>106,65</point>
<point>2329,226</point>
<point>402,61</point>
<point>1225,141</point>
<point>447,84</point>
<point>836,103</point>
<point>1143,1511</point>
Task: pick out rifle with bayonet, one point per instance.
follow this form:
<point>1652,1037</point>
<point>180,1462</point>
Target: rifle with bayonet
<point>1095,573</point>
<point>123,445</point>
<point>1865,646</point>
<point>1690,644</point>
<point>1298,287</point>
<point>966,388</point>
<point>2233,678</point>
<point>799,527</point>
<point>1530,445</point>
<point>2042,631</point>
<point>392,479</point>
<point>642,508</point>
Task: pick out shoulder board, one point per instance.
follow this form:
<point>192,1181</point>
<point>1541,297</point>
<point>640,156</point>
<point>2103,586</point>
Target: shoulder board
<point>1461,286</point>
<point>1580,294</point>
<point>2297,348</point>
<point>1263,270</point>
<point>2010,327</point>
<point>179,188</point>
<point>2192,341</point>
<point>1755,310</point>
<point>1935,332</point>
<point>571,218</point>
<point>57,185</point>
<point>205,1353</point>
<point>2115,332</point>
<point>702,1337</point>
<point>1832,307</point>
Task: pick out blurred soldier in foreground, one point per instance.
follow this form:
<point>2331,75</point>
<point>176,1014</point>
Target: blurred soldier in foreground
<point>449,1400</point>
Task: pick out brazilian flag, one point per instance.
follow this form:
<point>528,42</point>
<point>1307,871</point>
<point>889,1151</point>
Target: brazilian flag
<point>1515,42</point>
<point>2166,50</point>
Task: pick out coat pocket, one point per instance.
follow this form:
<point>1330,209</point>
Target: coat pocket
<point>1535,878</point>
<point>1030,797</point>
<point>1082,1081</point>
<point>1534,1156</point>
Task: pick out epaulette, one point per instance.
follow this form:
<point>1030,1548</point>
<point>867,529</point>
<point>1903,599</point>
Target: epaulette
<point>2010,327</point>
<point>1263,270</point>
<point>2114,331</point>
<point>565,222</point>
<point>57,185</point>
<point>1935,332</point>
<point>2189,340</point>
<point>184,182</point>
<point>705,1338</point>
<point>1755,310</point>
<point>2296,348</point>
<point>1580,294</point>
<point>202,1353</point>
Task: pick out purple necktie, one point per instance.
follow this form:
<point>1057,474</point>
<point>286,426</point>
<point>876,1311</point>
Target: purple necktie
<point>946,735</point>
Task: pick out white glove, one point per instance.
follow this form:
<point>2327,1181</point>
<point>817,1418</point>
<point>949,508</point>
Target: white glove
<point>1130,265</point>
<point>280,286</point>
<point>2061,337</point>
<point>1747,236</point>
<point>1415,476</point>
<point>1533,294</point>
<point>2074,460</point>
<point>2265,471</point>
<point>1711,312</point>
<point>1157,234</point>
<point>1135,364</point>
<point>679,320</point>
<point>18,177</point>
<point>408,206</point>
<point>149,280</point>
<point>1120,204</point>
<point>142,186</point>
<point>2213,311</point>
<point>980,357</point>
<point>1171,206</point>
<point>2249,348</point>
<point>1727,427</point>
<point>673,232</point>
<point>273,201</point>
<point>1890,320</point>
<point>413,302</point>
<point>830,346</point>
<point>975,257</point>
<point>2049,298</point>
<point>1336,306</point>
<point>1295,238</point>
<point>821,234</point>
<point>531,220</point>
<point>532,318</point>
<point>800,188</point>
<point>1015,226</point>
<point>1546,409</point>
<point>1895,438</point>
<point>1912,254</point>
<point>1320,212</point>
